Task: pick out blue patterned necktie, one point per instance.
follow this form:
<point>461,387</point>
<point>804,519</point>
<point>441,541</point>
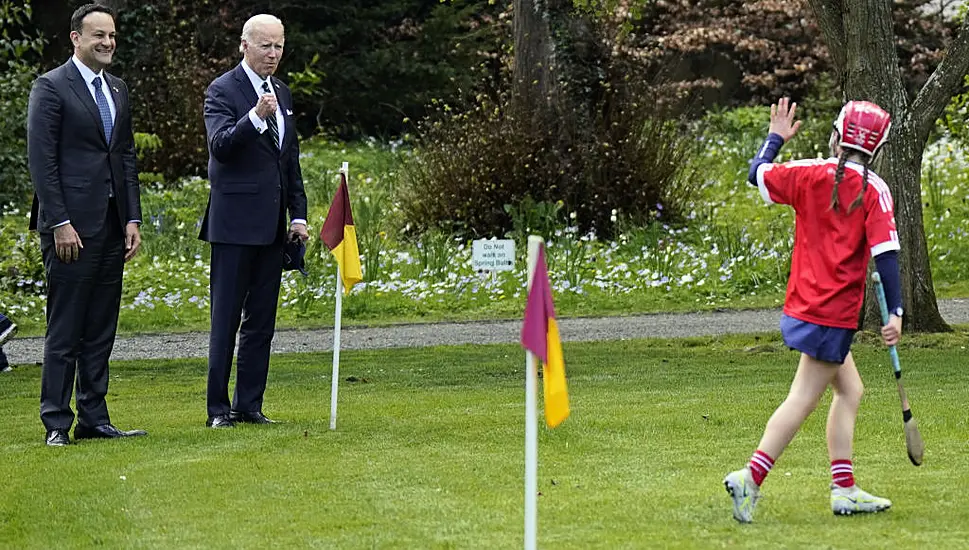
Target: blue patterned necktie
<point>103,108</point>
<point>271,119</point>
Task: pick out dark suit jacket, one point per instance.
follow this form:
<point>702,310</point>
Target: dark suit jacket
<point>251,179</point>
<point>72,165</point>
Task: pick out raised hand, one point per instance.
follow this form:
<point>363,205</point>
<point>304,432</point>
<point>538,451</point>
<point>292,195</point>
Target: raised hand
<point>266,106</point>
<point>782,119</point>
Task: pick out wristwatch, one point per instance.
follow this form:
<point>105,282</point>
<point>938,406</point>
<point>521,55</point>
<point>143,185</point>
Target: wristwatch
<point>898,311</point>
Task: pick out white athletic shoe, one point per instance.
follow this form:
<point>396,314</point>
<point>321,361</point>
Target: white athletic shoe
<point>744,492</point>
<point>852,500</point>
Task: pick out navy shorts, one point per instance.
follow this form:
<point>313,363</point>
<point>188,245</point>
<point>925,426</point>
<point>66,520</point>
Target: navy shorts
<point>822,343</point>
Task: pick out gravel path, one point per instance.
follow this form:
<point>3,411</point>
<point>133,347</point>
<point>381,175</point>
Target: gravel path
<point>195,344</point>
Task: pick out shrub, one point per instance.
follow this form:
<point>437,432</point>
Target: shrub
<point>472,171</point>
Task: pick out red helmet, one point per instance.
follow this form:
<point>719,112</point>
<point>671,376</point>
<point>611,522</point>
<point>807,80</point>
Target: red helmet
<point>863,126</point>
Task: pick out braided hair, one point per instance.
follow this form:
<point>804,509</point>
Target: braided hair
<point>864,186</point>
<point>839,175</point>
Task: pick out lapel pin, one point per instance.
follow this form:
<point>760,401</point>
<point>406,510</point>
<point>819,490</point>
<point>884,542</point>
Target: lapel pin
<point>115,90</point>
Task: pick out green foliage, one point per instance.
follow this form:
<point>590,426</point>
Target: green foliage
<point>470,166</point>
<point>307,86</point>
<point>370,216</point>
<point>20,48</point>
<point>21,265</point>
<point>366,65</point>
<point>572,255</point>
<point>744,129</point>
<point>435,251</point>
<point>534,218</point>
<point>168,53</point>
<point>955,120</point>
<point>146,143</point>
<point>729,252</point>
<point>172,215</point>
<point>355,67</point>
<point>945,194</point>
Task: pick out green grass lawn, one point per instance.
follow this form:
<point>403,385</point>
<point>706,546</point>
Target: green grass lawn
<point>429,454</point>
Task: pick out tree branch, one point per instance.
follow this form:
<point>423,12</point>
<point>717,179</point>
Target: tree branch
<point>944,82</point>
<point>831,21</point>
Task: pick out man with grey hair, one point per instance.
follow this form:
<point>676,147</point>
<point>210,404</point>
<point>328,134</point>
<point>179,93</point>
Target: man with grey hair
<point>255,182</point>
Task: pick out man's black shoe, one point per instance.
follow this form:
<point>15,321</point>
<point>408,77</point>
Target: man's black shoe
<point>250,417</point>
<point>57,438</point>
<point>104,431</point>
<point>219,421</point>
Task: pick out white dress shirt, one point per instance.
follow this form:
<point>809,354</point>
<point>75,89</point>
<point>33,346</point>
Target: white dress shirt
<point>88,75</point>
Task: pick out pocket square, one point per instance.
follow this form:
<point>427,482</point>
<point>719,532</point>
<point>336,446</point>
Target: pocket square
<point>289,112</point>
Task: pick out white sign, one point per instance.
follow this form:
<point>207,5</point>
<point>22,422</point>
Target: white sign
<point>493,255</point>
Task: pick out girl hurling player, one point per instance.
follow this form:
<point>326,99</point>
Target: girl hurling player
<point>843,216</point>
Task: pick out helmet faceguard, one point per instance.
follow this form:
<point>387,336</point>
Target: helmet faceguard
<point>863,127</point>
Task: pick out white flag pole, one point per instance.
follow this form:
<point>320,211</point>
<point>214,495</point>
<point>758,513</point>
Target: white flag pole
<point>334,383</point>
<point>337,320</point>
<point>531,420</point>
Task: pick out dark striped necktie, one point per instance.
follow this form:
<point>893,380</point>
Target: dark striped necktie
<point>271,119</point>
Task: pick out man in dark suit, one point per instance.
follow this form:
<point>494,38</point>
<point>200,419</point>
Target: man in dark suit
<point>255,180</point>
<point>87,209</point>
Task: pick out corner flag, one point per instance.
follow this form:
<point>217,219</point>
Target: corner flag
<point>340,236</point>
<point>540,335</point>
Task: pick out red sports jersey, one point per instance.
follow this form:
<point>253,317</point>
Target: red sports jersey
<point>831,248</point>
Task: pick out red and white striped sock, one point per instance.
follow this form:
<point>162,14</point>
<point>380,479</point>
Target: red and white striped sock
<point>842,473</point>
<point>760,465</point>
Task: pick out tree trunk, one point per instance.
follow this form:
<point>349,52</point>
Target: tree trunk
<point>901,167</point>
<point>861,39</point>
<point>532,62</point>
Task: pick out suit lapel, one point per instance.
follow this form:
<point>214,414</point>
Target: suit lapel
<point>245,86</point>
<point>84,96</point>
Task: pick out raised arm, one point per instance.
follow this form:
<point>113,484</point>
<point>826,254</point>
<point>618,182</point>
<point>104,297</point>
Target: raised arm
<point>783,126</point>
<point>226,130</point>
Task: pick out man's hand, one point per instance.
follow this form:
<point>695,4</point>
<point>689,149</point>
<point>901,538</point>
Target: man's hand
<point>132,240</point>
<point>782,120</point>
<point>298,229</point>
<point>892,332</point>
<point>266,106</point>
<point>67,243</point>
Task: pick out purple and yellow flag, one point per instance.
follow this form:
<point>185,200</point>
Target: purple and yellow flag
<point>540,335</point>
<point>340,236</point>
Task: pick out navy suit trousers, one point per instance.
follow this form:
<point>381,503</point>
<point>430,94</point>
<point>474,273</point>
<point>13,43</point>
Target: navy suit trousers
<point>83,300</point>
<point>244,286</point>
